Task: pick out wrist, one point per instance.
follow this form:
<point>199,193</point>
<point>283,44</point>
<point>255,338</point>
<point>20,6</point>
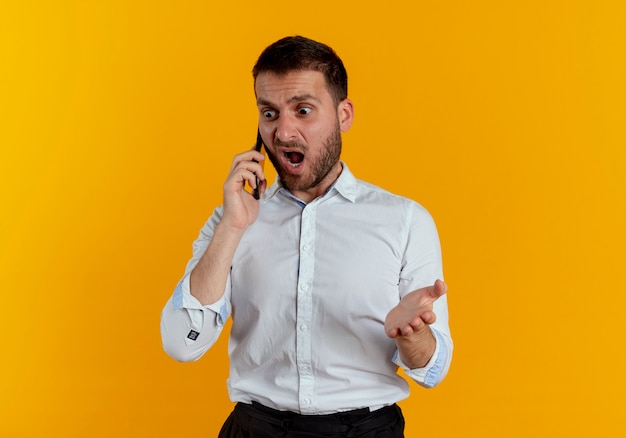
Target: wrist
<point>228,228</point>
<point>416,349</point>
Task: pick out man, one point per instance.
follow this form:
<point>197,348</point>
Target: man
<point>331,283</point>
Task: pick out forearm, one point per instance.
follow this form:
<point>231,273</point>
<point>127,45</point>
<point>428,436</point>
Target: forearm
<point>208,278</point>
<point>433,373</point>
<point>417,349</point>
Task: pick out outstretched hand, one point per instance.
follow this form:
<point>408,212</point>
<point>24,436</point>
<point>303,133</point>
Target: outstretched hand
<point>414,312</point>
<point>408,324</point>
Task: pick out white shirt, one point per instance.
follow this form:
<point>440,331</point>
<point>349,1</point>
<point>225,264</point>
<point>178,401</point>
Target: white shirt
<point>309,289</point>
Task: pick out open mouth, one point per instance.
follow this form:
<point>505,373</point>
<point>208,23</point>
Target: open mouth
<point>294,158</point>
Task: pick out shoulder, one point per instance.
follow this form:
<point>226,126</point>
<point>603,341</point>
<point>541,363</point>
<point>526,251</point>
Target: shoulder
<point>368,192</point>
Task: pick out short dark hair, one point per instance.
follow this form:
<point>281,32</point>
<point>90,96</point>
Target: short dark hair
<point>297,53</point>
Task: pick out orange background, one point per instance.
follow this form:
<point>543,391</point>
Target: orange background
<point>505,119</point>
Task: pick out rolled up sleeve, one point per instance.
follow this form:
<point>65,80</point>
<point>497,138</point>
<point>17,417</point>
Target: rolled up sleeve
<point>189,329</point>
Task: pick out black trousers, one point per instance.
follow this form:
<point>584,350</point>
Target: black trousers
<point>258,421</point>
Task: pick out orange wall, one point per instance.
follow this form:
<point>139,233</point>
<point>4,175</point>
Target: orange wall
<point>506,120</point>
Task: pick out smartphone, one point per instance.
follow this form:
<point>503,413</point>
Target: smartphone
<point>257,147</point>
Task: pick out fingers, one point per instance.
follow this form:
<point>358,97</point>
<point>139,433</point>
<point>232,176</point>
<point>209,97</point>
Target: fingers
<point>393,332</point>
<point>427,317</point>
<point>401,321</point>
<point>247,167</point>
<point>249,160</point>
<point>440,288</point>
<point>415,311</point>
<point>433,292</point>
<point>244,175</point>
<point>436,290</point>
<point>416,325</point>
<point>262,186</point>
<point>407,330</point>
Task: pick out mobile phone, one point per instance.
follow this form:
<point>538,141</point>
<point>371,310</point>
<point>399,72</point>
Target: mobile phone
<point>257,147</point>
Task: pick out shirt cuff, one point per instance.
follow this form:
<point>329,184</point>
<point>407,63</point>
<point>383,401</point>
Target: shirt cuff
<point>429,374</point>
<point>182,299</point>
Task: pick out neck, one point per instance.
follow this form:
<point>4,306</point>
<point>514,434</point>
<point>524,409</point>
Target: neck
<point>320,189</point>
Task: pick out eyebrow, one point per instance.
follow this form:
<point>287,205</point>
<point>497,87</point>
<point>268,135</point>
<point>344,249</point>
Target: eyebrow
<point>297,98</point>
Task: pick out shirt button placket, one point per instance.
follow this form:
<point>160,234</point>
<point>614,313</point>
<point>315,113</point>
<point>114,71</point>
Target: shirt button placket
<point>305,311</point>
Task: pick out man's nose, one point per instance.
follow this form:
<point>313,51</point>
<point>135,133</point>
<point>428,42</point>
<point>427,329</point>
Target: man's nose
<point>286,129</point>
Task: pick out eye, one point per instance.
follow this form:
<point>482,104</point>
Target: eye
<point>269,114</point>
<point>303,111</point>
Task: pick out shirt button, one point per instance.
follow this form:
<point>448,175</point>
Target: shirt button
<point>306,401</point>
<point>304,327</point>
<point>305,286</point>
<point>306,247</point>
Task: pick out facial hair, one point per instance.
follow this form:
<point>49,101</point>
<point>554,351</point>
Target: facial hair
<point>320,166</point>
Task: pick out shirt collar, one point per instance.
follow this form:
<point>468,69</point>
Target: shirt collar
<point>345,185</point>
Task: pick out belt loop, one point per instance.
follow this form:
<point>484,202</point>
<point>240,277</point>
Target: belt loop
<point>347,421</point>
<point>286,424</point>
<point>352,431</point>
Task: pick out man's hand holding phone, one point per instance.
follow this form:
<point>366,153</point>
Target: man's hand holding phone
<point>208,278</point>
<point>241,207</point>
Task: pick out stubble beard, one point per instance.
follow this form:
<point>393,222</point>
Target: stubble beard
<point>320,168</point>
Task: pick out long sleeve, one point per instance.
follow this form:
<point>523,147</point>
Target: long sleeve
<point>437,368</point>
<point>421,267</point>
<point>308,289</point>
<point>189,329</point>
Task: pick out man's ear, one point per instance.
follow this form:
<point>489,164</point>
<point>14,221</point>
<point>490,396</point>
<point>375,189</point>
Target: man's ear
<point>345,113</point>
